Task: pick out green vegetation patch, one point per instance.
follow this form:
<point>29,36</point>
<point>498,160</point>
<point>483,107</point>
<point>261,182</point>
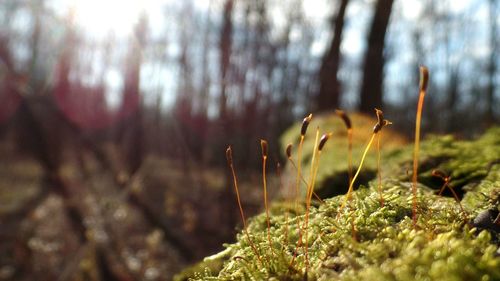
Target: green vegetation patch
<point>370,241</point>
<point>466,162</point>
<point>333,170</point>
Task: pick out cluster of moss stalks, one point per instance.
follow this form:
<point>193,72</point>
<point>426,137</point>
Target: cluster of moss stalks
<point>371,242</point>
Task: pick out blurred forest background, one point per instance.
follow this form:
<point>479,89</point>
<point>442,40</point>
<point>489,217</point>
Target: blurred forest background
<point>114,115</point>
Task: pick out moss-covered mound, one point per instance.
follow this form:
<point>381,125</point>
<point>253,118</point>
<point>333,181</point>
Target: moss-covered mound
<point>333,178</point>
<point>368,241</point>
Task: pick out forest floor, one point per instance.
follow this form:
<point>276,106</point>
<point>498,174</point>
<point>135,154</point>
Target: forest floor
<point>38,239</point>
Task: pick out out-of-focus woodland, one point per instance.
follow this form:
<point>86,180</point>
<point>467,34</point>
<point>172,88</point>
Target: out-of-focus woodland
<point>112,162</point>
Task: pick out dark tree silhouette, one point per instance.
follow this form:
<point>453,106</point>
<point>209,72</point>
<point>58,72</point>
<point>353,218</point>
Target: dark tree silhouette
<point>225,54</point>
<point>492,64</point>
<point>131,129</point>
<point>373,66</point>
<point>330,88</point>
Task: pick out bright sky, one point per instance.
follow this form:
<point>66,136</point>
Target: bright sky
<point>102,17</point>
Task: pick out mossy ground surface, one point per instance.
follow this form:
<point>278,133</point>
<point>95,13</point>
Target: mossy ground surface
<point>332,178</point>
<point>446,243</point>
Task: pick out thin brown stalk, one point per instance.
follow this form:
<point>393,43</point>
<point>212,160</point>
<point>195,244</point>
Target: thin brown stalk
<point>303,130</point>
<point>316,196</point>
<point>229,157</point>
<point>424,80</point>
<point>446,184</point>
<point>379,173</point>
<point>376,129</point>
<point>306,222</point>
<point>278,171</point>
<point>263,145</point>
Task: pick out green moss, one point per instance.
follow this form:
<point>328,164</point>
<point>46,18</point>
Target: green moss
<point>333,170</point>
<point>466,162</point>
<point>443,246</point>
<point>210,267</point>
<point>485,194</point>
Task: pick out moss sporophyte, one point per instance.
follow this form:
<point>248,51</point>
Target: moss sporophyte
<point>387,228</point>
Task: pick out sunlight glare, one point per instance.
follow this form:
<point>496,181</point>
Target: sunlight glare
<point>99,18</point>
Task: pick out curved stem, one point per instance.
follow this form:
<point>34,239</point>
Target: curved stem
<point>264,180</point>
<point>349,191</point>
<point>252,245</point>
<point>416,151</point>
<point>379,173</point>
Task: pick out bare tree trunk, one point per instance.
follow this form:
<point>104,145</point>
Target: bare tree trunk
<point>130,132</point>
<point>492,65</point>
<point>287,86</point>
<point>373,67</point>
<point>330,88</point>
<point>225,55</point>
<point>223,128</point>
<point>204,91</point>
<point>206,81</point>
<point>36,11</point>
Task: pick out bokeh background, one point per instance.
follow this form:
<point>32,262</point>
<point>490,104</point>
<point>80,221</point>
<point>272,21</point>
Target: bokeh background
<point>115,115</point>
